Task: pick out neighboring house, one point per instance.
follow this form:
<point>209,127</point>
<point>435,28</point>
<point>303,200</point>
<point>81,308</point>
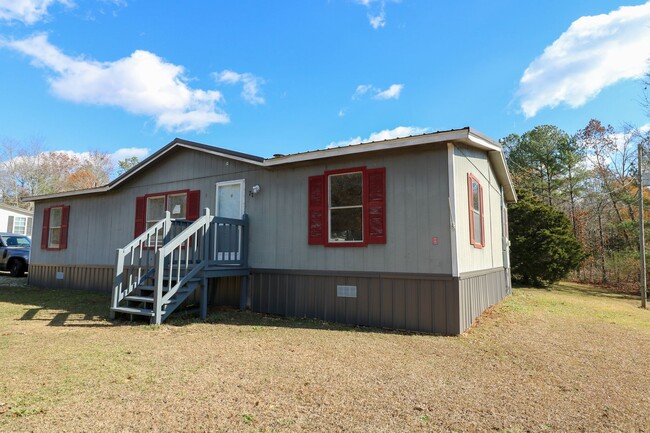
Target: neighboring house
<point>407,233</point>
<point>15,220</point>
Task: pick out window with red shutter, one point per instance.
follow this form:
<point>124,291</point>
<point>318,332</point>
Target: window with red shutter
<point>54,235</point>
<point>151,208</point>
<point>347,208</point>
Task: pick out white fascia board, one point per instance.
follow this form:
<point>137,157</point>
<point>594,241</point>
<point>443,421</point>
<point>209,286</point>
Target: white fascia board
<point>354,149</point>
<point>482,142</point>
<point>503,174</point>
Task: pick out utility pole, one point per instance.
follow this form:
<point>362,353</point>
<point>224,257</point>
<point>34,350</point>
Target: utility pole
<point>644,292</point>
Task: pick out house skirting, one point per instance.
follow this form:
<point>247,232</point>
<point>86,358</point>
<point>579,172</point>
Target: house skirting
<point>428,303</point>
<point>85,277</point>
<point>478,291</point>
<point>431,303</point>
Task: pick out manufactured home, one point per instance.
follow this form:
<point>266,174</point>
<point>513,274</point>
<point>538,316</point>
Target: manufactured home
<point>15,220</point>
<point>407,233</point>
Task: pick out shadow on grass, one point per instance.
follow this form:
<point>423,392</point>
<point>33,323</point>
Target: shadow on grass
<point>78,308</point>
<point>59,307</point>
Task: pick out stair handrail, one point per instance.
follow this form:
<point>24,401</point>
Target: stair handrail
<point>165,253</point>
<point>143,240</point>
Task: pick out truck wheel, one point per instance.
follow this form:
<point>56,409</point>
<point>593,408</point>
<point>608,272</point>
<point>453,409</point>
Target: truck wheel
<point>16,268</point>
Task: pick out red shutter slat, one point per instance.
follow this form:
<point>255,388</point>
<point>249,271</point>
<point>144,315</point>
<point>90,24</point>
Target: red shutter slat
<point>193,205</point>
<point>140,211</point>
<point>316,218</point>
<point>375,206</point>
<point>65,218</point>
<point>46,228</point>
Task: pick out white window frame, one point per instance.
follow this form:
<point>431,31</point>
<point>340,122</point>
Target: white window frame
<point>52,227</point>
<point>330,208</point>
<point>24,226</point>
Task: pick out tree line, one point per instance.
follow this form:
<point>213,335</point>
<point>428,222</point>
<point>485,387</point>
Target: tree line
<point>27,169</point>
<point>590,176</point>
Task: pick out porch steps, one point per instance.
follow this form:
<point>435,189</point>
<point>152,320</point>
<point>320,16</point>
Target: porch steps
<point>161,268</point>
<point>143,305</point>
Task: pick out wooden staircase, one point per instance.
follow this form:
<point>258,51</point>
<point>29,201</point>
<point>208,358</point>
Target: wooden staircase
<point>160,269</point>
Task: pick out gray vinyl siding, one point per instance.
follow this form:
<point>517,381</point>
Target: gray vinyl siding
<point>416,211</point>
<point>416,192</point>
<point>101,223</point>
<point>469,160</point>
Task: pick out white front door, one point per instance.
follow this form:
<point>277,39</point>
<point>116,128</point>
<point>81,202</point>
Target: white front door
<point>229,204</point>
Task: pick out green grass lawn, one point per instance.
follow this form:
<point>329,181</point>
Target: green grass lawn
<point>569,359</point>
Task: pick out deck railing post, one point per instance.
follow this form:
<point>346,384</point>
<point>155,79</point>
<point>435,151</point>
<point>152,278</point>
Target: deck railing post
<point>117,281</point>
<point>244,241</point>
<point>206,236</point>
<point>157,295</point>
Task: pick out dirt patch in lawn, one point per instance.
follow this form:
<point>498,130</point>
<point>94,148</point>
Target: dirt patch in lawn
<point>569,360</point>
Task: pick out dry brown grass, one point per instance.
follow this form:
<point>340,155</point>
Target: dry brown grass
<point>572,359</point>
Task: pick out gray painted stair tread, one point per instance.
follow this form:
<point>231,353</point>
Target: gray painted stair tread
<point>136,311</point>
<point>138,298</point>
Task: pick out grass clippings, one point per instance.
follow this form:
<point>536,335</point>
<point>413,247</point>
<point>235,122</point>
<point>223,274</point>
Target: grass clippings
<point>572,359</point>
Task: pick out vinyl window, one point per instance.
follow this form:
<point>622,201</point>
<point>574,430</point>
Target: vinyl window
<point>476,214</point>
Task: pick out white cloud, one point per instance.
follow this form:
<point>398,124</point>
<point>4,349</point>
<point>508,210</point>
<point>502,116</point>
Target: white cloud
<point>251,84</point>
<point>386,134</point>
<point>377,21</point>
<point>393,92</point>
<point>595,52</point>
<point>129,152</point>
<point>142,83</point>
<point>361,90</point>
<point>376,11</point>
<point>28,11</point>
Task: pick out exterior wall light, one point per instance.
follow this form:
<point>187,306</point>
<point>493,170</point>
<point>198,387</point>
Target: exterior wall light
<point>254,190</point>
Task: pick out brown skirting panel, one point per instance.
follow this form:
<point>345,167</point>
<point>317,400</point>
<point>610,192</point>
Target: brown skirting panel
<point>88,277</point>
<point>480,290</point>
<point>411,302</point>
<point>224,291</point>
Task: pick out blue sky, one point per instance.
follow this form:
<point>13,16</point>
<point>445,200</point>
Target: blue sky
<point>265,77</point>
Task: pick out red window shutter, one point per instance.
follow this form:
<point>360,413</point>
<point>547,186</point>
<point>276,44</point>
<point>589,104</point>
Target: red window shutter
<point>46,228</point>
<point>480,191</point>
<point>375,206</point>
<point>65,218</point>
<point>193,205</point>
<point>140,214</point>
<point>317,210</point>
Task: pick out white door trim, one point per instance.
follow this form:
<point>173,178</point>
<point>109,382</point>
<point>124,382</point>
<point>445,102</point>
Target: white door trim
<point>242,205</point>
<point>242,208</point>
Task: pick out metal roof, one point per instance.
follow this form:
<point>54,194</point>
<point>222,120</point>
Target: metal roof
<point>465,135</point>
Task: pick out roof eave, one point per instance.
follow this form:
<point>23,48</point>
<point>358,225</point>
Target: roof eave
<point>355,149</point>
